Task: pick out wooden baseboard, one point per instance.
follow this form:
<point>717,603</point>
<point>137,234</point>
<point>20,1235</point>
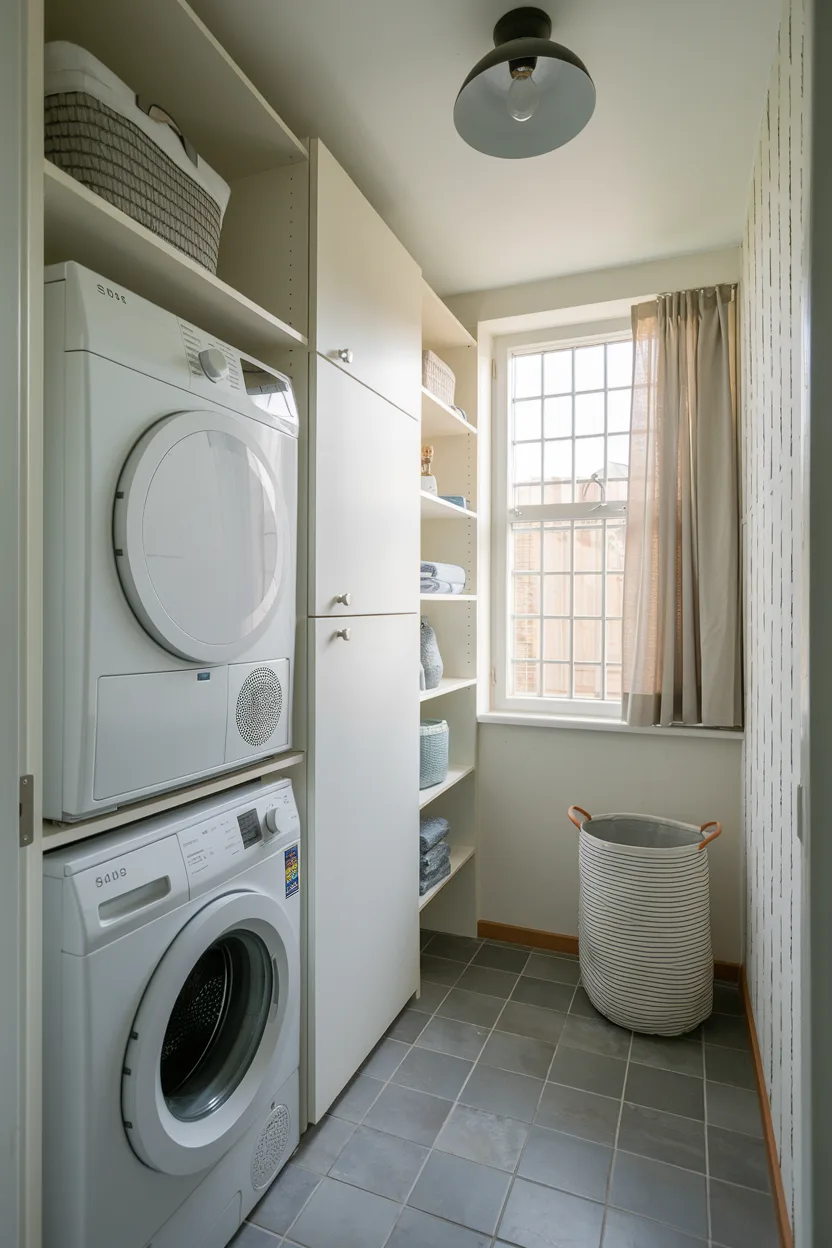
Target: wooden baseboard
<point>559,943</point>
<point>527,936</point>
<point>780,1207</point>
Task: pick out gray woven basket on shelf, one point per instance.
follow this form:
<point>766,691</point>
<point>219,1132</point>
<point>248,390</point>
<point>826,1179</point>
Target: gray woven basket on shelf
<point>115,159</point>
<point>434,736</point>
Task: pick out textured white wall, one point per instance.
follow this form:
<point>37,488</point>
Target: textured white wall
<point>773,263</point>
<point>528,850</point>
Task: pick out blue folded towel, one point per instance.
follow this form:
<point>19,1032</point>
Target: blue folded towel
<point>434,857</point>
<point>450,572</point>
<point>430,585</point>
<point>431,831</point>
<point>457,499</point>
<point>427,882</point>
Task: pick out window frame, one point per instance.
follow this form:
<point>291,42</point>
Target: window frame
<point>503,515</point>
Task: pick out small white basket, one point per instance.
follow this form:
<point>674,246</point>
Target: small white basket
<point>438,377</point>
<point>644,923</point>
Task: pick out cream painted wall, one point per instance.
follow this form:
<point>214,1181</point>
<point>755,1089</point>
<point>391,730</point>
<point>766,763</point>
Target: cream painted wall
<point>515,309</point>
<point>528,850</point>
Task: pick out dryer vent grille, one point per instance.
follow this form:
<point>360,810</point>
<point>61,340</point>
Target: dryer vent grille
<point>259,704</point>
<point>270,1148</point>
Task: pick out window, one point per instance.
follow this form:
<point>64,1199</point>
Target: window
<point>563,487</point>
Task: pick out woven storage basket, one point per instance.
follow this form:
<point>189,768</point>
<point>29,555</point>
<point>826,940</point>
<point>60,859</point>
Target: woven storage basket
<point>644,925</point>
<point>434,736</point>
<point>438,377</point>
<point>130,153</point>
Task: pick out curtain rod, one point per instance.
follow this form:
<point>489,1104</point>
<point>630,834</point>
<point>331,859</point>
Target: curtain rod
<point>700,290</point>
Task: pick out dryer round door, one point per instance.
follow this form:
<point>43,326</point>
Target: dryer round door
<point>205,1039</point>
<point>200,529</point>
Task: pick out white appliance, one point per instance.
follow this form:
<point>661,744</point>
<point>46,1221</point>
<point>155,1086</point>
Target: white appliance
<point>169,550</point>
<point>171,1023</point>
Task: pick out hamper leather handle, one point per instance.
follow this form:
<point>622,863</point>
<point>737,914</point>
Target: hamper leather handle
<point>587,816</point>
<point>713,824</point>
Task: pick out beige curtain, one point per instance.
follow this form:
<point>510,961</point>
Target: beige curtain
<point>682,648</point>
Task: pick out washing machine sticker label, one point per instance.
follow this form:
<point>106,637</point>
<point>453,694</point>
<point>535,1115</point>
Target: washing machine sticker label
<point>290,861</point>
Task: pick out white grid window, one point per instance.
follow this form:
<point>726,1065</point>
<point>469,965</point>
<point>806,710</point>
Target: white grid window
<point>567,451</point>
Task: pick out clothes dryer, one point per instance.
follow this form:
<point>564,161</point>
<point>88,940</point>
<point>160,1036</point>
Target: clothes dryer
<point>169,550</point>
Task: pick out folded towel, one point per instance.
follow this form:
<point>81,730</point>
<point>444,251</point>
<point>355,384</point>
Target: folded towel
<point>426,883</point>
<point>444,572</point>
<point>456,499</point>
<point>431,831</point>
<point>429,585</point>
<point>434,858</point>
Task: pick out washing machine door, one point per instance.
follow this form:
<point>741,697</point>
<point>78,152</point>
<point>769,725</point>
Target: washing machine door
<point>201,533</point>
<point>204,1043</point>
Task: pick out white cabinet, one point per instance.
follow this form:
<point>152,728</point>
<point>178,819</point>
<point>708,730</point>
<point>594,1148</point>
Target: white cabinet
<point>364,513</point>
<point>363,938</point>
<point>366,291</point>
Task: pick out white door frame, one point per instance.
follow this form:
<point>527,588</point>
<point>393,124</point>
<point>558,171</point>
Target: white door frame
<point>21,280</point>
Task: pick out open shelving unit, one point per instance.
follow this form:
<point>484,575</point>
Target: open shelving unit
<point>167,55</point>
<point>448,684</point>
<point>83,226</point>
<point>450,535</point>
<point>460,854</point>
<point>434,508</point>
<point>441,421</point>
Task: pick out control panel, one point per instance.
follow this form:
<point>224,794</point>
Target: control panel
<point>224,844</point>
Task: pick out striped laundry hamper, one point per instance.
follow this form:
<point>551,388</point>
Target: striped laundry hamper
<point>644,927</point>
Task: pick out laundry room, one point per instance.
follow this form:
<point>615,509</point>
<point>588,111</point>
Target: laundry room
<point>343,907</point>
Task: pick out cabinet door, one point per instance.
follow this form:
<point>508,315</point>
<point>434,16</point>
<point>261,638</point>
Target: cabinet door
<point>364,512</point>
<point>366,290</point>
<point>363,843</point>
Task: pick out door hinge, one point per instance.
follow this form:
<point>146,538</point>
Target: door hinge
<point>494,370</point>
<point>27,810</point>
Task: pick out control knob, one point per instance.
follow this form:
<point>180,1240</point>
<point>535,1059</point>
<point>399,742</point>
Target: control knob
<point>214,364</point>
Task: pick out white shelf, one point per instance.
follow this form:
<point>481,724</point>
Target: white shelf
<point>434,508</point>
<point>57,834</point>
<point>448,597</point>
<point>166,54</point>
<point>82,226</point>
<point>441,421</point>
<point>440,328</point>
<point>448,684</point>
<point>455,774</point>
<point>460,854</point>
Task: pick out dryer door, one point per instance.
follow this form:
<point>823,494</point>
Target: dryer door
<point>204,1043</point>
<point>201,535</point>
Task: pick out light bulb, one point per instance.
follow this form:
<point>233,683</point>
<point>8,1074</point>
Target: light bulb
<point>523,97</point>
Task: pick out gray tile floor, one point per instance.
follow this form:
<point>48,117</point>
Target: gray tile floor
<point>501,1109</point>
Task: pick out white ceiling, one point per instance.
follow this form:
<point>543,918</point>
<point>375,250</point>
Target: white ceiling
<point>662,168</point>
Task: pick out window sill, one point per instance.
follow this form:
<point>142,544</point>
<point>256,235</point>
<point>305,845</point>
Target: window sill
<point>569,722</point>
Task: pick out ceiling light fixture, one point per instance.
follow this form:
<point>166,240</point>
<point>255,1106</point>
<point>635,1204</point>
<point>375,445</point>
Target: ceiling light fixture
<point>528,96</point>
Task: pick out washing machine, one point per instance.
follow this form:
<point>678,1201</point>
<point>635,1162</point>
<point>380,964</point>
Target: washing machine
<point>171,1023</point>
<point>170,541</point>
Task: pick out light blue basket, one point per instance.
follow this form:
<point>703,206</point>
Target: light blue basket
<point>433,752</point>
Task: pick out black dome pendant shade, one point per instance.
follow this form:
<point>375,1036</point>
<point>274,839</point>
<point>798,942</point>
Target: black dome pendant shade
<point>528,96</point>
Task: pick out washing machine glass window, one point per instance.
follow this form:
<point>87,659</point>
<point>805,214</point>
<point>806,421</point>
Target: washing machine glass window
<point>216,1025</point>
<point>201,533</point>
<point>204,1038</point>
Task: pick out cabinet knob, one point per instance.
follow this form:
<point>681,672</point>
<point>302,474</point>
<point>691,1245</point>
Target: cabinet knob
<point>345,354</point>
<point>344,633</point>
<point>344,599</point>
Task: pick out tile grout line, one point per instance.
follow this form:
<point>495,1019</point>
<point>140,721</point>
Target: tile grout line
<point>707,1145</point>
<point>514,1175</point>
<point>432,1148</point>
<point>279,1240</point>
<point>615,1149</point>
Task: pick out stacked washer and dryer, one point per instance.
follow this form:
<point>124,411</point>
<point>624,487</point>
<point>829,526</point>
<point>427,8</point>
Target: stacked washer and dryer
<point>172,946</point>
